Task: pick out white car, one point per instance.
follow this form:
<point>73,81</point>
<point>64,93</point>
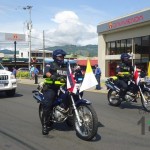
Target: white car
<point>8,82</point>
<point>23,69</point>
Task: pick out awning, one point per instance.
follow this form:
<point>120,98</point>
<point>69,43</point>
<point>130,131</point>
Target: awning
<point>84,62</point>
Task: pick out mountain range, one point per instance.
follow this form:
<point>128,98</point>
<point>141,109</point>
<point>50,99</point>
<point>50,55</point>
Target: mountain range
<point>88,50</point>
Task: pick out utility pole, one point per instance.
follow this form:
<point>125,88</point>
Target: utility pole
<point>15,53</point>
<point>29,27</point>
<point>43,51</point>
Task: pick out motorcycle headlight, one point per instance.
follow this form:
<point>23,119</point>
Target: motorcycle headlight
<point>12,76</point>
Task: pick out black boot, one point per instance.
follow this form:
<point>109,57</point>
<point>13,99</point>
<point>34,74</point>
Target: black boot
<point>45,130</point>
<point>122,94</point>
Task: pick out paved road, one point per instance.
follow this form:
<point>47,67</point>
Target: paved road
<point>20,128</point>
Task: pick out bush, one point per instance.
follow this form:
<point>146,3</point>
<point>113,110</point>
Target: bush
<point>23,74</point>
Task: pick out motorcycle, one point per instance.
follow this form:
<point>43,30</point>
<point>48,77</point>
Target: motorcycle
<point>72,109</point>
<point>133,93</point>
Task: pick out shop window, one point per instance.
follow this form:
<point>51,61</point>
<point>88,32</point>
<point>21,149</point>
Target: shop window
<point>118,45</point>
<point>141,46</point>
<point>33,54</point>
<point>108,48</point>
<point>123,46</point>
<point>145,54</point>
<point>146,44</point>
<point>137,45</point>
<point>113,48</point>
<point>40,55</point>
<point>47,55</point>
<point>129,46</point>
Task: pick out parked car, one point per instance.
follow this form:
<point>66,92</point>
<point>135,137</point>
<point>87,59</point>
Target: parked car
<point>6,68</point>
<point>8,82</point>
<point>23,69</point>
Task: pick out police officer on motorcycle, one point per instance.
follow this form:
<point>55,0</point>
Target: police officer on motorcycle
<point>54,71</point>
<point>124,73</point>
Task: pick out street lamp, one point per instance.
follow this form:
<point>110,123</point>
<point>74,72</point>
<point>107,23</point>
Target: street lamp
<point>29,27</point>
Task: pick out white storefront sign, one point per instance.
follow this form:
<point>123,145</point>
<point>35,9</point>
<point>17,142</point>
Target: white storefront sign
<point>14,37</point>
<point>6,37</point>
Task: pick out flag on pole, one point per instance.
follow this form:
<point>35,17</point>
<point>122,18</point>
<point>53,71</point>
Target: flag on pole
<point>89,78</point>
<point>70,80</point>
<point>136,76</point>
<point>148,72</point>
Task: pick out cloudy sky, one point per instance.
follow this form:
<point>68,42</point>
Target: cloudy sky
<point>63,21</point>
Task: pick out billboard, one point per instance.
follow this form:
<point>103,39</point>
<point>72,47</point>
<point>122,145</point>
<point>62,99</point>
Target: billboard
<point>14,37</point>
<point>6,37</point>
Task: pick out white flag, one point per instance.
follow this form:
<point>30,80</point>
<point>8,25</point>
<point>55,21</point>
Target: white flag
<point>89,78</point>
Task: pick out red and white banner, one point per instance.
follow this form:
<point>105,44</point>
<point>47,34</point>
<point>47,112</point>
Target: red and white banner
<point>136,76</point>
<point>70,80</point>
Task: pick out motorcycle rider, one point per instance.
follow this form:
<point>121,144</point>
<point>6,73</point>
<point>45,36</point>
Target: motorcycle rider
<point>124,73</point>
<point>54,71</point>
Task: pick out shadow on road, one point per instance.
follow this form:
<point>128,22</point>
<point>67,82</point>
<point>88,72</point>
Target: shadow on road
<point>130,106</point>
<point>61,127</point>
<point>98,137</point>
<point>3,95</point>
<point>64,127</point>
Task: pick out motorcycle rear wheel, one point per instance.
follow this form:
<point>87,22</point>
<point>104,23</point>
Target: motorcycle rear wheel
<point>146,104</point>
<point>113,98</point>
<point>89,125</point>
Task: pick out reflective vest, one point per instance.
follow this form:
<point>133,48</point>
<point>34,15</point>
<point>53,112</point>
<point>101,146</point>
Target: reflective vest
<point>57,71</point>
<point>49,81</point>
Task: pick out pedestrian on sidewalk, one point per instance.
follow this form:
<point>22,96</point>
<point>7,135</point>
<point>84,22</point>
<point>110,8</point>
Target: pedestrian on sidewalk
<point>31,72</point>
<point>98,76</point>
<point>36,72</point>
<point>14,72</point>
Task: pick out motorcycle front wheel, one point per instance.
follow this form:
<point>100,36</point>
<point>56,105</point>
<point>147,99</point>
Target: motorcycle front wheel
<point>89,122</point>
<point>146,103</point>
<point>113,98</point>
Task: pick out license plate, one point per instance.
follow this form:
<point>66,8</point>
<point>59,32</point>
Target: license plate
<point>1,85</point>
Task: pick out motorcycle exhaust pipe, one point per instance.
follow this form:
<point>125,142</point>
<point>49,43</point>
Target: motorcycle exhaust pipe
<point>109,86</point>
<point>115,88</point>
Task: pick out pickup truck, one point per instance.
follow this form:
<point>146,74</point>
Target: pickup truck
<point>8,82</point>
